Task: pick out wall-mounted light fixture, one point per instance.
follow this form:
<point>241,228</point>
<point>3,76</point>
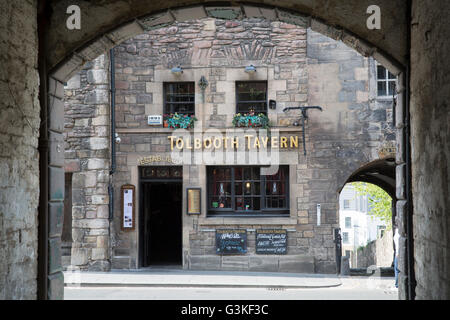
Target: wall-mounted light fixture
<point>250,69</point>
<point>203,83</point>
<point>177,70</point>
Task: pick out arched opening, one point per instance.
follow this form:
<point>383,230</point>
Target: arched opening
<point>367,218</point>
<point>69,68</point>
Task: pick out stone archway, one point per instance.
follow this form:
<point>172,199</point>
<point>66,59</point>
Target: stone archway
<point>72,52</point>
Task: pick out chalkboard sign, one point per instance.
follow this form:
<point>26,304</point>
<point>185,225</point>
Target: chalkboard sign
<point>231,241</point>
<point>271,241</point>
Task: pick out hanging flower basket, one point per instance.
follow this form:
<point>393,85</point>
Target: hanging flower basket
<point>176,120</point>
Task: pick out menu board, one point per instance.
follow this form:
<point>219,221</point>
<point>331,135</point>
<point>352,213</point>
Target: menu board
<point>231,241</point>
<point>271,241</point>
<point>127,207</point>
<point>193,200</point>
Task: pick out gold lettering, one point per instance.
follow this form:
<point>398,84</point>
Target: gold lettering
<point>171,141</point>
<point>197,143</point>
<point>178,142</point>
<point>217,146</point>
<point>283,142</point>
<point>256,144</point>
<point>248,136</point>
<point>188,144</point>
<point>274,142</point>
<point>235,142</point>
<point>264,141</point>
<point>225,142</point>
<point>209,144</point>
<point>294,141</point>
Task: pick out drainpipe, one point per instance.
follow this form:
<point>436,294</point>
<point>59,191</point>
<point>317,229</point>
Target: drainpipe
<point>113,133</point>
<point>42,256</point>
<point>410,294</point>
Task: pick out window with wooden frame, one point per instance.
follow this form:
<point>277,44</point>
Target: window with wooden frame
<point>243,191</point>
<point>251,96</point>
<point>179,97</point>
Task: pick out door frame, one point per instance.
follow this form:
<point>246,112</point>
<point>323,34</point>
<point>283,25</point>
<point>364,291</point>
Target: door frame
<point>141,218</point>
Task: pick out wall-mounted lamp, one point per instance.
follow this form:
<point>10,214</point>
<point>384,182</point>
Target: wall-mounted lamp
<point>177,70</point>
<point>203,83</point>
<point>272,104</point>
<point>250,69</point>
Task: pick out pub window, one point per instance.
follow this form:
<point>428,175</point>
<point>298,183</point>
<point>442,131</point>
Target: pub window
<point>251,96</point>
<point>385,82</point>
<point>244,191</point>
<point>179,97</point>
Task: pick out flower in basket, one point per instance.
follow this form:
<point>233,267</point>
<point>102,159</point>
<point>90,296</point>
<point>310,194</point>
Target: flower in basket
<point>181,121</point>
<point>251,120</point>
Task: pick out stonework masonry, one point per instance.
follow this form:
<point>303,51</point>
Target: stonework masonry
<point>19,165</point>
<point>301,67</point>
<point>87,157</point>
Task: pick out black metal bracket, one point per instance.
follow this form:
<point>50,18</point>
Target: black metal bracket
<point>304,110</point>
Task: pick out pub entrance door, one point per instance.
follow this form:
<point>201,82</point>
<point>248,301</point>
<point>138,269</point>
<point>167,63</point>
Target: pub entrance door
<point>161,220</point>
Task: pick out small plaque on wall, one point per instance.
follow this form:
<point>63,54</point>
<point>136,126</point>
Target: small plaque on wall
<point>193,197</point>
<point>128,204</point>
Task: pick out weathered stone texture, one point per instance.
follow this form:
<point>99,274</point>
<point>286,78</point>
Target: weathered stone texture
<point>430,140</point>
<point>87,156</point>
<point>19,165</point>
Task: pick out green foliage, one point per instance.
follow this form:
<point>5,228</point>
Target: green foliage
<point>180,121</point>
<point>251,120</point>
<point>380,203</point>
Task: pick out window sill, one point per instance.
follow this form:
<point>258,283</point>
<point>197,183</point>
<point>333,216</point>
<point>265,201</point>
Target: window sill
<point>255,220</point>
<point>159,129</point>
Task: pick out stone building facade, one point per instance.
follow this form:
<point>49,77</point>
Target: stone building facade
<point>298,66</point>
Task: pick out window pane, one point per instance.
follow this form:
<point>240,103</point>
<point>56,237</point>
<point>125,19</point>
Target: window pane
<point>256,203</point>
<point>391,76</point>
<point>381,88</point>
<point>238,173</point>
<point>238,188</point>
<point>391,88</point>
<point>381,72</point>
<point>179,97</point>
<point>251,95</point>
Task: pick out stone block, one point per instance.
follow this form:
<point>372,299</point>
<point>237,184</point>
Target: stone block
<point>400,181</point>
<point>238,263</point>
<point>204,262</point>
<point>98,143</point>
<point>56,146</point>
<point>55,220</point>
<point>56,88</point>
<point>99,253</point>
<point>125,32</point>
<point>56,184</point>
<point>56,286</point>
<point>97,76</point>
<point>54,261</point>
<point>56,107</point>
<point>296,263</point>
<point>263,263</point>
<point>73,83</point>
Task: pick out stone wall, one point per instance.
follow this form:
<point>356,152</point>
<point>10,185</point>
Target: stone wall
<point>87,157</point>
<point>430,139</point>
<point>301,67</point>
<point>378,253</point>
<point>19,158</point>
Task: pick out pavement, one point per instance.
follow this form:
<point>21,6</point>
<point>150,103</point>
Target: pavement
<point>167,277</point>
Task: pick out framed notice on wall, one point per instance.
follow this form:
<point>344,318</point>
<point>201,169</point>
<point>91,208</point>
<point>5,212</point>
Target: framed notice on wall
<point>193,196</point>
<point>128,204</point>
